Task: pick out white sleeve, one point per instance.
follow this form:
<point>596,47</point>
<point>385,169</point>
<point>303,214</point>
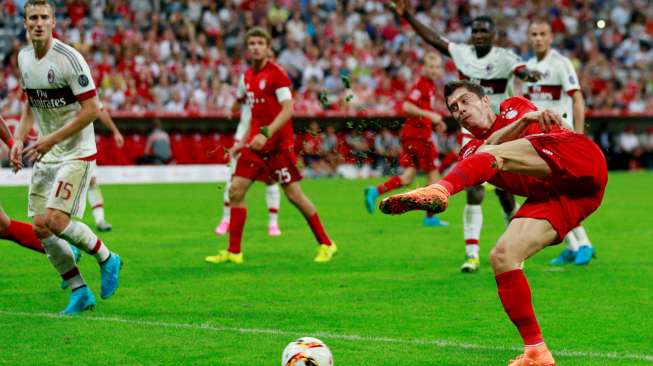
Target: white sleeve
<point>515,61</point>
<point>241,90</point>
<point>79,75</point>
<point>245,120</point>
<point>568,75</point>
<point>457,52</point>
<point>283,93</point>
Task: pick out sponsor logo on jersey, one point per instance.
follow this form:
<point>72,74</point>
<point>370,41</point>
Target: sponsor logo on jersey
<point>51,76</point>
<point>50,98</point>
<point>82,80</point>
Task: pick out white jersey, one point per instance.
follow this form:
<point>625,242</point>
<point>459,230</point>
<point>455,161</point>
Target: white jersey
<point>55,85</point>
<point>554,90</point>
<point>245,110</point>
<point>494,71</point>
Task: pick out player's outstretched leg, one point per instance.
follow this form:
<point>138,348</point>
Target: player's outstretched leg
<point>430,220</point>
<point>96,201</point>
<point>327,248</point>
<point>372,193</point>
<point>223,226</point>
<point>523,238</point>
<point>585,249</point>
<point>273,200</point>
<point>19,232</point>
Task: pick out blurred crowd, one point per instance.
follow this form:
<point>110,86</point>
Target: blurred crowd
<point>186,56</point>
<point>176,56</point>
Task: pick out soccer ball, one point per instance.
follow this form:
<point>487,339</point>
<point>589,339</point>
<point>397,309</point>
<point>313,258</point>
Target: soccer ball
<point>306,351</point>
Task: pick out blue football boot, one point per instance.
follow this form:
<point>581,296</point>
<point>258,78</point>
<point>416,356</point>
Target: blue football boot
<point>371,194</point>
<point>110,270</point>
<point>78,256</point>
<point>81,299</point>
<point>584,255</point>
<point>566,256</point>
<point>434,221</point>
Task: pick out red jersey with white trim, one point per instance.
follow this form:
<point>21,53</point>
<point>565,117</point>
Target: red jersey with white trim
<point>266,88</point>
<point>511,110</point>
<point>422,94</point>
<point>554,90</point>
<point>55,85</point>
<point>494,71</point>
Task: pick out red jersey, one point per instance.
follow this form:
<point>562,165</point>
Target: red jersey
<point>422,94</point>
<point>265,89</point>
<point>511,110</point>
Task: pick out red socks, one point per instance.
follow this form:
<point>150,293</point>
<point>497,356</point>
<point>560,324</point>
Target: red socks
<point>318,230</point>
<point>515,295</point>
<point>470,172</point>
<point>22,233</point>
<point>392,183</point>
<point>236,226</point>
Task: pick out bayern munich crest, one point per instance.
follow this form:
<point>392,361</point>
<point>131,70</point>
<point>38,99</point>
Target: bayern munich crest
<point>51,76</point>
<point>261,84</point>
<point>511,114</point>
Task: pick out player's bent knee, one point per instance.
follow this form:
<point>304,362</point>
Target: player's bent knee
<point>475,195</point>
<point>57,221</point>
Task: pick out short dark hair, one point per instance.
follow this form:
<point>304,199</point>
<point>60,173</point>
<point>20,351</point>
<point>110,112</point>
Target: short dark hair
<point>452,86</point>
<point>539,20</point>
<point>36,3</point>
<point>484,18</point>
<point>258,32</point>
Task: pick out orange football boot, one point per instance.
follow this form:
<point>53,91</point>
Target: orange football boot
<point>433,198</point>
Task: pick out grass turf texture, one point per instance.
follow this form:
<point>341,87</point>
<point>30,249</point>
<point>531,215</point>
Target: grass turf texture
<point>394,283</point>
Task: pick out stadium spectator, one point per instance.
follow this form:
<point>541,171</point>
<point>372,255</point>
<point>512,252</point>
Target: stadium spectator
<point>647,147</point>
<point>312,153</point>
<point>157,148</point>
<point>330,148</point>
<point>629,148</point>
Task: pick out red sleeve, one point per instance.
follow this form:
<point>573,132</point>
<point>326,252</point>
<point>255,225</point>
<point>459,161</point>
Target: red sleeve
<point>280,79</point>
<point>469,148</point>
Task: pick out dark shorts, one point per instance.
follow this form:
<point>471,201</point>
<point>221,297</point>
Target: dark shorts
<point>577,184</point>
<point>275,166</point>
<point>418,153</point>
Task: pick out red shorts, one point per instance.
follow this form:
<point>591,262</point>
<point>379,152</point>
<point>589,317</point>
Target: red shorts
<point>576,185</point>
<point>418,153</point>
<point>274,166</point>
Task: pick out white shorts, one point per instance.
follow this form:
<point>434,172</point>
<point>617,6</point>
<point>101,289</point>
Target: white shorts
<point>62,186</point>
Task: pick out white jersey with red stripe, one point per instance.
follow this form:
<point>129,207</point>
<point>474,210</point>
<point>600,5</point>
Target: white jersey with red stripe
<point>55,85</point>
<point>494,71</point>
<point>555,88</point>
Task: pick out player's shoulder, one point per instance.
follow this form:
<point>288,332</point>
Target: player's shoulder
<point>275,67</point>
<point>512,106</point>
<point>68,55</point>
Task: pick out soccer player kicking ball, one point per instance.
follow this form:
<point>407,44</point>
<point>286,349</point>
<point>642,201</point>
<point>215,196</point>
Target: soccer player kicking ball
<point>559,91</point>
<point>418,150</point>
<point>268,154</point>
<point>62,99</point>
<point>563,175</point>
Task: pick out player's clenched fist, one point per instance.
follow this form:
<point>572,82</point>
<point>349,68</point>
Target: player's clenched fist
<point>546,119</point>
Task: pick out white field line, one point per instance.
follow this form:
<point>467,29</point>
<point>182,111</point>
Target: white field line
<point>327,335</point>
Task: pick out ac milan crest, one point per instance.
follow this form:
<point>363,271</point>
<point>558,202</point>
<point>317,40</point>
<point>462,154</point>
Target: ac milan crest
<point>51,76</point>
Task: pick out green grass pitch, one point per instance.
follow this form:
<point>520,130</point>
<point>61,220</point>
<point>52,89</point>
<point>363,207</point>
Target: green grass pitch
<point>392,296</point>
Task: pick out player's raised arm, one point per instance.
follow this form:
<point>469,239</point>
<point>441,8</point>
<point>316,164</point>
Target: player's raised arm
<point>435,39</point>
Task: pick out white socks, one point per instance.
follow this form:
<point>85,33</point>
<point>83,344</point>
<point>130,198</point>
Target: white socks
<point>581,236</point>
<point>226,210</point>
<point>472,224</point>
<point>273,198</point>
<point>572,242</point>
<point>62,259</point>
<point>97,203</point>
<point>82,236</point>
